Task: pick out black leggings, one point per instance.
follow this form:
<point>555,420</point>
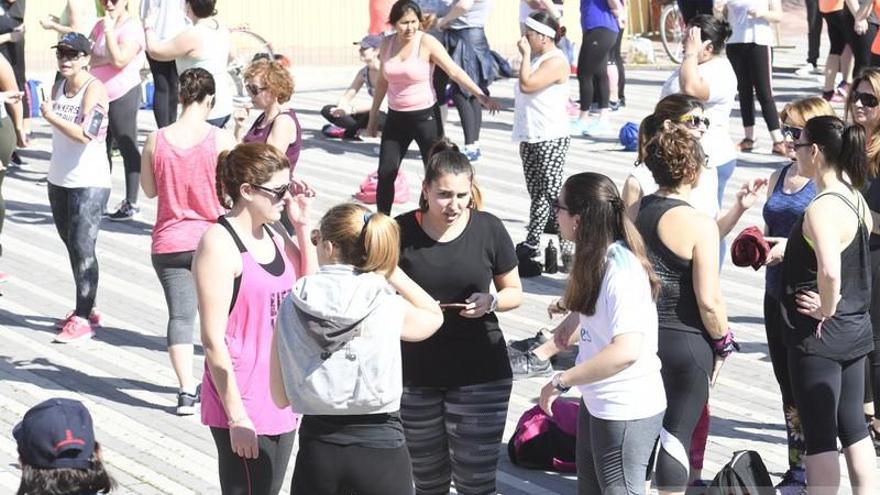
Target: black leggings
<point>687,363</point>
<point>841,32</point>
<point>164,91</point>
<point>352,123</point>
<point>401,128</point>
<point>775,327</point>
<point>873,374</point>
<point>751,63</point>
<point>77,215</point>
<point>814,31</point>
<point>592,70</point>
<point>692,8</point>
<point>261,476</point>
<point>123,131</point>
<point>828,395</point>
<point>617,58</point>
<point>327,469</point>
<point>470,113</point>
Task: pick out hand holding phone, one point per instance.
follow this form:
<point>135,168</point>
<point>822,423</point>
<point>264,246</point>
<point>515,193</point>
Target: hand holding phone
<point>453,305</point>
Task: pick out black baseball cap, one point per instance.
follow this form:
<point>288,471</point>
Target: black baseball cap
<point>75,41</point>
<point>57,433</point>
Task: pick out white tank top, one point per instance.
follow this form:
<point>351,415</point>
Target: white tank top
<point>214,59</point>
<point>541,116</point>
<point>76,164</point>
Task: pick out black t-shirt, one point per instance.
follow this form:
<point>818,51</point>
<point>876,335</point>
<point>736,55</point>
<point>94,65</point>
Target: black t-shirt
<point>464,351</point>
<point>376,431</point>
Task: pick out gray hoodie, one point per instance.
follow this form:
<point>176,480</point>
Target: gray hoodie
<point>339,343</point>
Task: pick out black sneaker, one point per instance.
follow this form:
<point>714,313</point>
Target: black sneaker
<point>186,403</point>
<point>126,212</point>
<point>527,364</point>
<point>529,344</point>
<point>526,251</point>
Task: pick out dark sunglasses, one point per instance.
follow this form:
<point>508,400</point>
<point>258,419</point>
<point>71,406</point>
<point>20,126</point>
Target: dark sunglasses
<point>801,145</point>
<point>277,193</point>
<point>556,206</point>
<point>68,54</point>
<point>114,2</point>
<point>793,132</point>
<point>694,121</point>
<point>254,90</point>
<point>866,99</point>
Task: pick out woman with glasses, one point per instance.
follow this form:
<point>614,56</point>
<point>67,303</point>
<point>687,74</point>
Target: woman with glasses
<point>790,191</point>
<point>205,44</point>
<point>179,167</point>
<point>79,175</point>
<point>863,107</point>
<point>117,58</point>
<point>706,74</point>
<point>243,269</point>
<point>694,336</point>
<point>826,277</point>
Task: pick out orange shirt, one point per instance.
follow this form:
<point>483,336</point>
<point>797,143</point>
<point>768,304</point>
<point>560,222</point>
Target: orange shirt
<point>828,6</point>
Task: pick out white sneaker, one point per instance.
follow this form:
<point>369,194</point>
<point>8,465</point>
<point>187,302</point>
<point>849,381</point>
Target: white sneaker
<point>808,70</point>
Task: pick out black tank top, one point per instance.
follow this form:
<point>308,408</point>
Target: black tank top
<point>677,305</point>
<point>848,334</point>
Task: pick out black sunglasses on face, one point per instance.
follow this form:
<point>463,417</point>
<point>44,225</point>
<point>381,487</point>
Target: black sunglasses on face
<point>67,54</point>
<point>793,132</point>
<point>254,90</point>
<point>866,99</point>
<point>801,145</point>
<point>277,193</point>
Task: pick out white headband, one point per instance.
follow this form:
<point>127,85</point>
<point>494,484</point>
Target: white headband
<point>540,28</point>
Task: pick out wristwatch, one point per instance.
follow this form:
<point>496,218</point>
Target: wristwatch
<point>556,381</point>
<point>494,304</point>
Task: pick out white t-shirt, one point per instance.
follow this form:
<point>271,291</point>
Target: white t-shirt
<point>747,29</point>
<point>704,195</point>
<point>171,18</point>
<point>719,75</point>
<point>624,306</point>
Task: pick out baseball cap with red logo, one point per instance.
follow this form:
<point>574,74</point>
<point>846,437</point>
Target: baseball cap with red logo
<point>57,433</point>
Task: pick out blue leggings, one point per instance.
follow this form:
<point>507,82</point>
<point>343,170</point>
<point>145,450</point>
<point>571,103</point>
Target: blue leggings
<point>725,172</point>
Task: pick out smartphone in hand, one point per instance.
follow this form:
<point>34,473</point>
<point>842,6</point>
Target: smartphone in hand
<point>453,305</point>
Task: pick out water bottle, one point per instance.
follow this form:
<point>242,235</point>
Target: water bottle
<point>550,258</point>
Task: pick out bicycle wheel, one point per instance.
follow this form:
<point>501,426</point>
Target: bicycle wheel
<point>672,31</point>
<point>244,47</point>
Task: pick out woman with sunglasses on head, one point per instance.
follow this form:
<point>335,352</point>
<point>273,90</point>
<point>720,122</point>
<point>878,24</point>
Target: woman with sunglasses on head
<point>826,279</point>
<point>407,61</point>
<point>346,118</point>
<point>117,58</point>
<point>339,335</point>
<point>79,175</point>
<point>179,167</point>
<point>457,383</point>
<point>243,268</point>
<point>205,44</point>
<point>694,338</point>
<point>541,95</point>
<point>611,294</point>
<point>789,192</point>
<point>707,75</point>
<point>863,108</point>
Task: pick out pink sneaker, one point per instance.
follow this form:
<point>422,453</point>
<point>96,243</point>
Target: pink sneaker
<point>95,319</point>
<point>74,330</point>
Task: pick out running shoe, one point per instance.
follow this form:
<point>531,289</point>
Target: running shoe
<point>779,148</point>
<point>525,250</point>
<point>126,212</point>
<point>527,364</point>
<point>794,482</point>
<point>75,330</point>
<point>833,97</point>
<point>95,319</point>
<point>333,131</point>
<point>746,145</point>
<point>843,89</point>
<point>807,70</point>
<point>577,127</point>
<point>529,344</point>
<point>474,155</point>
<point>186,403</point>
<point>597,128</point>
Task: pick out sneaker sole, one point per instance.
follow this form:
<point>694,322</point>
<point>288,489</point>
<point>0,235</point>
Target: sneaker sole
<point>185,410</point>
<point>534,374</point>
<point>125,219</point>
<point>87,336</point>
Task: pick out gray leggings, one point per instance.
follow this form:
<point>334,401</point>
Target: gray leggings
<point>175,275</point>
<point>625,448</point>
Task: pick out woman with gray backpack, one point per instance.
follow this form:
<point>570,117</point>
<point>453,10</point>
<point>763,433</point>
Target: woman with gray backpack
<point>337,357</point>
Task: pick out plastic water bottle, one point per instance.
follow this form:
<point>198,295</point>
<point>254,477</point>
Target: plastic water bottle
<point>551,264</point>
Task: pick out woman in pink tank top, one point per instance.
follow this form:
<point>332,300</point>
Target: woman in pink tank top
<point>179,166</point>
<point>243,268</point>
<point>408,58</point>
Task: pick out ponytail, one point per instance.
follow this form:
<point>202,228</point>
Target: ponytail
<point>366,240</point>
<point>842,146</point>
<point>381,244</point>
<point>853,158</point>
<point>221,178</point>
<point>647,129</point>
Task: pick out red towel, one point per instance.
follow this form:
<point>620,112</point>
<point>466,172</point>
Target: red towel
<point>750,248</point>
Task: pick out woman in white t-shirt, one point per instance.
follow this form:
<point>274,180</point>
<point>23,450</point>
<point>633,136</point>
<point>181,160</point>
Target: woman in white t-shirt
<point>170,21</point>
<point>614,321</point>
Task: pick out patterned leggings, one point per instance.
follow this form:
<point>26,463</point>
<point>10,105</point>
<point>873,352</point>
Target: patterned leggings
<point>543,165</point>
<point>454,433</point>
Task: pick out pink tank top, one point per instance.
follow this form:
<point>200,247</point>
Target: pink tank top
<point>187,198</point>
<point>409,81</point>
<point>257,295</point>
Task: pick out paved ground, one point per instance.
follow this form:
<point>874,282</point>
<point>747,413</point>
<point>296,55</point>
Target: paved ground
<point>123,375</point>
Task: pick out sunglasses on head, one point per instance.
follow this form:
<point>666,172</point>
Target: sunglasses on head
<point>866,99</point>
<point>793,132</point>
<point>276,193</point>
<point>694,121</point>
<point>254,90</point>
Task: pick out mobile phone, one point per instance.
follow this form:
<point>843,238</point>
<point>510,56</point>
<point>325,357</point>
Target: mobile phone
<point>453,305</point>
<point>43,95</point>
<point>92,124</point>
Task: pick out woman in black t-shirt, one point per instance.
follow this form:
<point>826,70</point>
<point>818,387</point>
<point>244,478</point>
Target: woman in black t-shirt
<point>457,383</point>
